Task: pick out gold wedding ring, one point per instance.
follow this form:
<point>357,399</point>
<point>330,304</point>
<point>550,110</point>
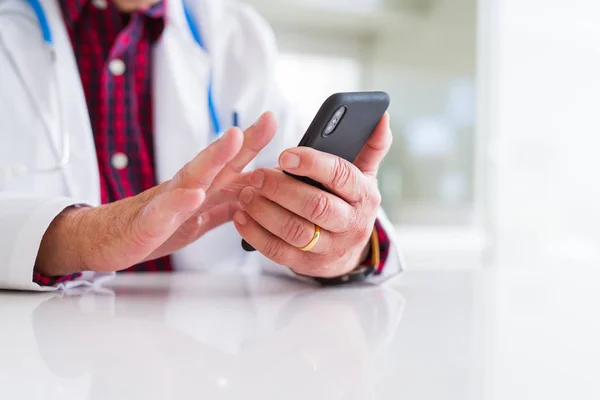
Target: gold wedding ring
<point>313,241</point>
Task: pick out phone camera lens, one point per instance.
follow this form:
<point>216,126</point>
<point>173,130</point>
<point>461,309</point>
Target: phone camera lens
<point>328,129</point>
<point>334,121</point>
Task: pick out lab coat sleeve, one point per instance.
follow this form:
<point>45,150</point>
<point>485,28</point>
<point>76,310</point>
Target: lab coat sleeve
<point>23,222</point>
<point>259,37</point>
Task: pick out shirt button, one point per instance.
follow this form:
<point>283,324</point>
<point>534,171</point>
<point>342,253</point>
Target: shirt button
<point>100,4</point>
<point>116,67</point>
<point>119,161</point>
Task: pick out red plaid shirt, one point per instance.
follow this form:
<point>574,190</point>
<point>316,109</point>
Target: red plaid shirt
<point>113,53</point>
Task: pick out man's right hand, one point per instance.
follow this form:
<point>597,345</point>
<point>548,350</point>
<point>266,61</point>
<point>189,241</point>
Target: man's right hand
<point>201,196</point>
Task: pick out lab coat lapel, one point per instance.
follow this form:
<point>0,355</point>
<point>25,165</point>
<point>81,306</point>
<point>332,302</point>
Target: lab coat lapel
<point>81,173</point>
<point>180,81</point>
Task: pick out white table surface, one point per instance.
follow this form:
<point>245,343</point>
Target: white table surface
<point>504,333</point>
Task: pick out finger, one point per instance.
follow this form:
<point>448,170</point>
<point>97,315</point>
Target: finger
<point>280,252</point>
<point>228,192</point>
<point>216,217</point>
<point>268,244</point>
<point>334,173</point>
<point>378,145</point>
<point>201,171</point>
<point>315,205</point>
<point>282,223</point>
<point>193,228</point>
<point>256,138</point>
<point>229,182</point>
<point>164,214</point>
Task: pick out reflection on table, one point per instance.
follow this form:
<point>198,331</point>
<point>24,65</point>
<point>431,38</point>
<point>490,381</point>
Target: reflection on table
<point>216,336</point>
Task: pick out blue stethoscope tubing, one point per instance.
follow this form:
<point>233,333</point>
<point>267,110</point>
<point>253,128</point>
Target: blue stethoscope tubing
<point>214,116</point>
<point>37,8</point>
<point>193,27</point>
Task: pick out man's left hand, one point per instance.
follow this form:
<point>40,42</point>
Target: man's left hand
<point>280,212</point>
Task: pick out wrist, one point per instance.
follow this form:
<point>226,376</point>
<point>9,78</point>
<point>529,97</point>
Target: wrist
<point>62,246</point>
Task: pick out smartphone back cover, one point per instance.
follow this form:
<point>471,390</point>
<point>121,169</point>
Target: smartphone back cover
<point>363,112</point>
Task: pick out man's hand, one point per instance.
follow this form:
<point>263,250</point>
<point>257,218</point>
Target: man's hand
<point>201,196</point>
<point>279,212</point>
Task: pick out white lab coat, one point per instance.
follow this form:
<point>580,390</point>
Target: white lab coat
<point>240,54</point>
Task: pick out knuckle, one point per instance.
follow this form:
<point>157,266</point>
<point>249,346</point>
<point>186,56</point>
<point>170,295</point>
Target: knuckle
<point>293,231</point>
<point>363,231</point>
<point>319,207</point>
<point>187,177</point>
<point>341,176</point>
<point>188,231</point>
<point>357,227</point>
<point>274,249</point>
<point>182,175</point>
<point>367,195</point>
<point>362,195</point>
<point>375,198</point>
<point>336,253</point>
<point>271,187</point>
<point>310,159</point>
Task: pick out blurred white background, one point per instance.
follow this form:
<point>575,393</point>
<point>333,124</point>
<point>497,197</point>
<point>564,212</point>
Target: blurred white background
<point>494,111</point>
<point>541,79</point>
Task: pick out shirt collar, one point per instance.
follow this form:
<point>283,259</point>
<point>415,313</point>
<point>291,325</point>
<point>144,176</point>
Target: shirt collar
<point>156,15</point>
<point>157,10</point>
<point>72,10</point>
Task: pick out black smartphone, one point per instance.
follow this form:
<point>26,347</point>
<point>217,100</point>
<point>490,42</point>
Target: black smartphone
<point>341,127</point>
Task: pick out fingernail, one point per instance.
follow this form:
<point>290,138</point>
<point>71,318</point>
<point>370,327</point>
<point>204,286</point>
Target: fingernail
<point>258,120</point>
<point>257,179</point>
<point>290,161</point>
<point>240,218</point>
<point>247,195</point>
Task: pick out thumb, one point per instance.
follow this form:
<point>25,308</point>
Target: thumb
<point>137,226</point>
<point>161,217</point>
<point>371,155</point>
